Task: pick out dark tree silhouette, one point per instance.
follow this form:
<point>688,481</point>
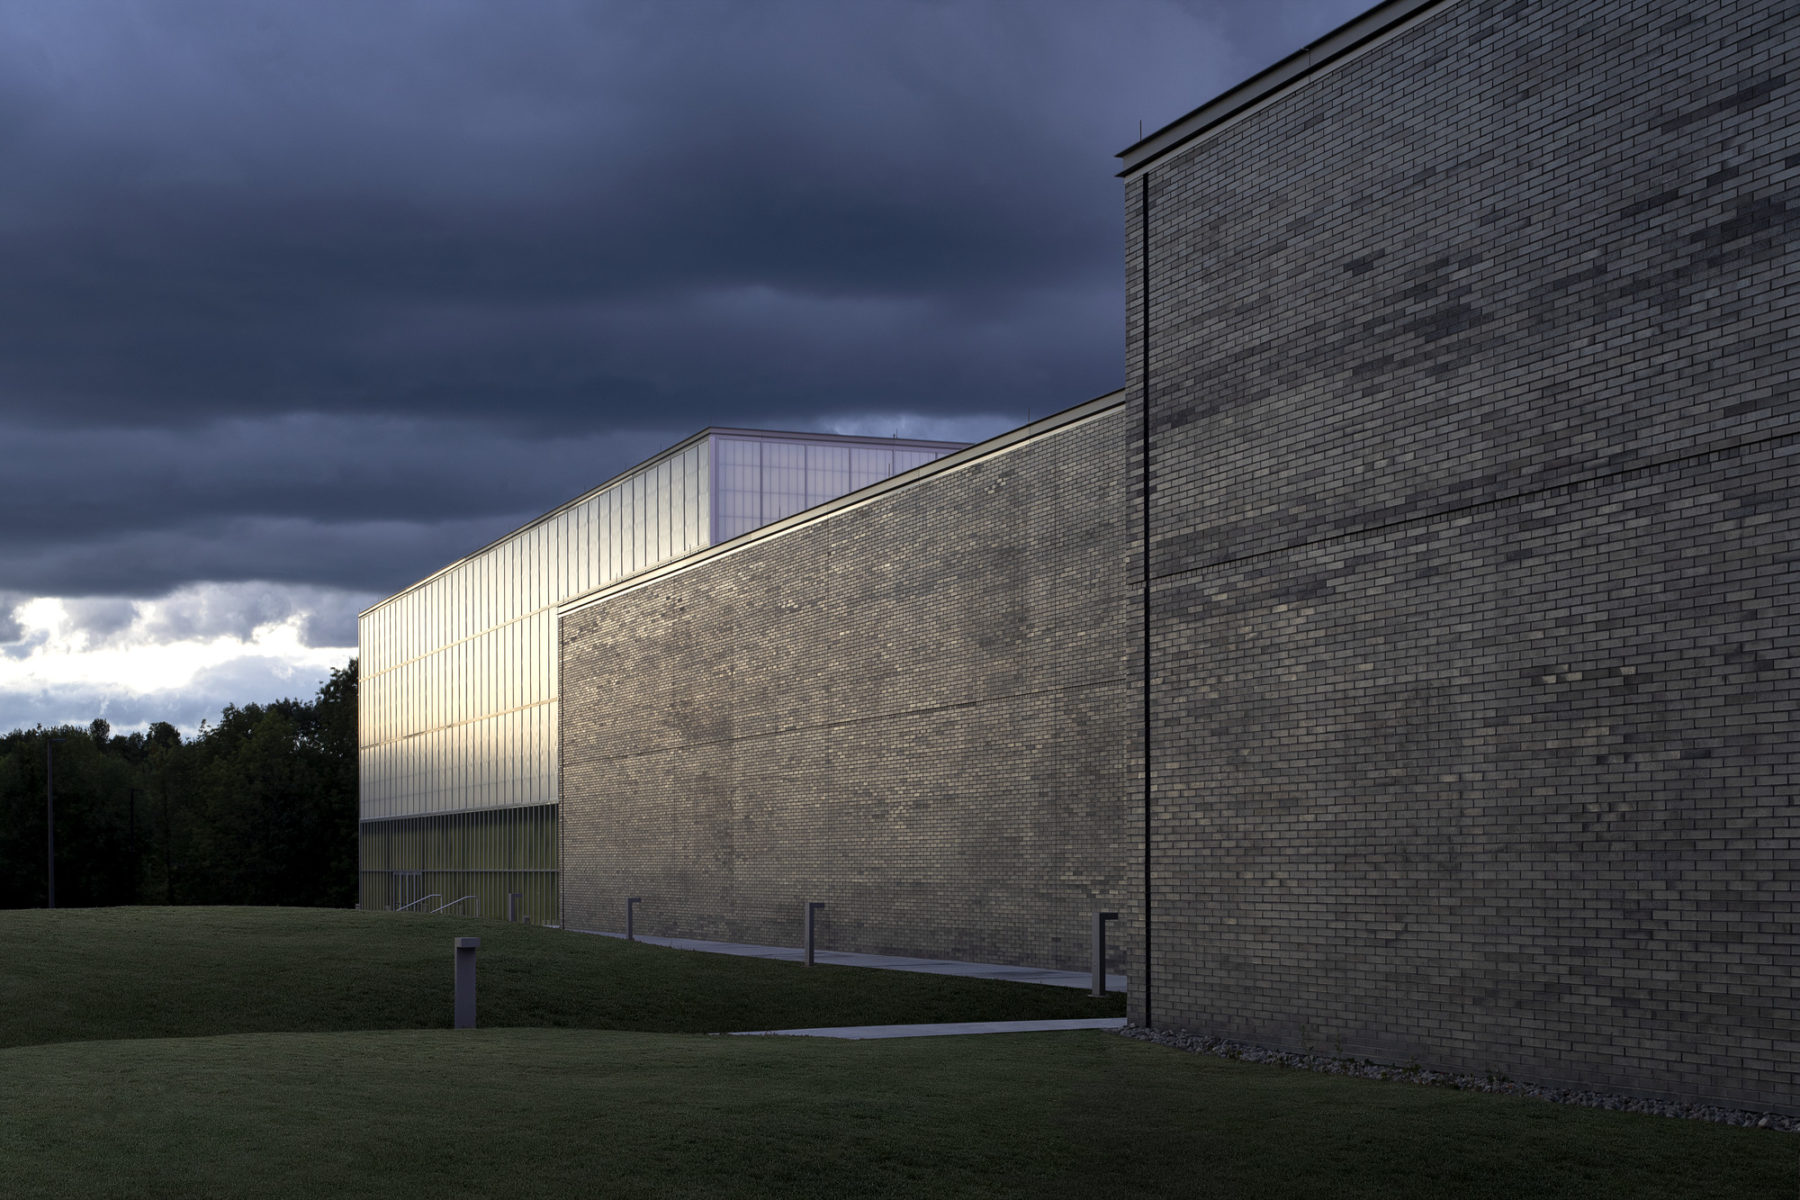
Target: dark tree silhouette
<point>258,809</point>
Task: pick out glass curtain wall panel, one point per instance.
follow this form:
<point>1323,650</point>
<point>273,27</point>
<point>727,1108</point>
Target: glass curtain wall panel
<point>458,705</point>
<point>760,478</point>
<point>462,863</point>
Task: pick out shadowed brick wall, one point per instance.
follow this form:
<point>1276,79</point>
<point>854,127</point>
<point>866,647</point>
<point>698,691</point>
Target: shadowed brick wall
<point>923,710</point>
<point>1470,372</point>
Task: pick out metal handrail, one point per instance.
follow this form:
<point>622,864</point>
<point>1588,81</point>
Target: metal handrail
<point>420,900</point>
<point>440,908</point>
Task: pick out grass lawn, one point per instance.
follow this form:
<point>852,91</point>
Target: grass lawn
<point>239,1052</point>
<point>538,1112</point>
<point>85,974</point>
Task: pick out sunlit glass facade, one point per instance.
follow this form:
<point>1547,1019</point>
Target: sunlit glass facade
<point>458,706</point>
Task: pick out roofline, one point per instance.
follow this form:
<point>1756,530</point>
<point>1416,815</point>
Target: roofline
<point>1355,34</point>
<point>997,444</point>
<point>790,435</point>
<point>677,448</point>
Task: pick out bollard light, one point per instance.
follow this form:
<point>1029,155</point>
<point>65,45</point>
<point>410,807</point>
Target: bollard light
<point>631,903</point>
<point>1100,920</point>
<point>465,981</point>
<point>812,909</point>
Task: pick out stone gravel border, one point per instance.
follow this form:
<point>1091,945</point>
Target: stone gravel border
<point>1181,1039</point>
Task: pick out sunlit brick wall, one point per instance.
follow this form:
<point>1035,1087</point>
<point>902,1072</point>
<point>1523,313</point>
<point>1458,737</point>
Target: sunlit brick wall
<point>921,710</point>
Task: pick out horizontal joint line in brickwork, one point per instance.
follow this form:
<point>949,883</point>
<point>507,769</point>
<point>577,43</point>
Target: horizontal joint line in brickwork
<point>887,716</point>
<point>1642,470</point>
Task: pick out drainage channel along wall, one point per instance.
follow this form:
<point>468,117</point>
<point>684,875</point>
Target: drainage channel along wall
<point>920,707</point>
<point>1470,363</point>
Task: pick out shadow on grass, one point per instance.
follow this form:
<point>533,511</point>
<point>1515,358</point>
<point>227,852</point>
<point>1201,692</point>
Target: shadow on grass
<point>521,1112</point>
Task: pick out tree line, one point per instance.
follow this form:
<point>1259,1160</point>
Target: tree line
<point>258,809</point>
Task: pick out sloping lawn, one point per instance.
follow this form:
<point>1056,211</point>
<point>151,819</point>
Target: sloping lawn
<point>268,1052</point>
<point>88,974</point>
<point>536,1112</point>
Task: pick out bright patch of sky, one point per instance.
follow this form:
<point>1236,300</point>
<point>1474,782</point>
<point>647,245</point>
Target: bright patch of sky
<point>178,658</point>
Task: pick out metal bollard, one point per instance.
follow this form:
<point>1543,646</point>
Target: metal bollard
<point>1100,920</point>
<point>465,981</point>
<point>812,909</point>
<point>630,932</point>
<point>512,906</point>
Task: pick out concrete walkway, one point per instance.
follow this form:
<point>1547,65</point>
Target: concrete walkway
<point>945,1029</point>
<point>885,962</point>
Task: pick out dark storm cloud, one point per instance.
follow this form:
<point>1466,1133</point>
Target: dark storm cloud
<point>287,550</point>
<point>325,468</point>
<point>10,628</point>
<point>333,292</point>
<point>437,214</point>
<point>356,502</point>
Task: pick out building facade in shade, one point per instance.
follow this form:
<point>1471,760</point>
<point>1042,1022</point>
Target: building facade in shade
<point>458,720</point>
<point>1464,346</point>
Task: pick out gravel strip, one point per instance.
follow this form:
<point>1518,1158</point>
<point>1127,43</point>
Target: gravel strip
<point>1181,1039</point>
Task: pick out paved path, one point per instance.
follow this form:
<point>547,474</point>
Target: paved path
<point>885,962</point>
<point>862,1032</point>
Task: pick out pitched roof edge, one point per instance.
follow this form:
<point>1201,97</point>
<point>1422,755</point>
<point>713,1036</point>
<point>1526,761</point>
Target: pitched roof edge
<point>1380,21</point>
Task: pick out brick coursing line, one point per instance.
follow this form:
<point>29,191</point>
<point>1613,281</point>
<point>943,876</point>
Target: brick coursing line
<point>922,710</point>
<point>1473,552</point>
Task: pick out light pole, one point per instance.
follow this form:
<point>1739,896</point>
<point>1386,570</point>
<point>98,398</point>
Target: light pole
<point>50,810</point>
<point>136,865</point>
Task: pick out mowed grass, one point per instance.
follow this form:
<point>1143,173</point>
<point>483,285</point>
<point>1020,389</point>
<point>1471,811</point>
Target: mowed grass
<point>235,1052</point>
<point>87,974</point>
<point>535,1112</point>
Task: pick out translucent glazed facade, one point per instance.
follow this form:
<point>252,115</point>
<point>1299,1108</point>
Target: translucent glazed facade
<point>458,705</point>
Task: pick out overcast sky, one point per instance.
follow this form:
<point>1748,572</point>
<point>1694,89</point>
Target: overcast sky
<point>300,301</point>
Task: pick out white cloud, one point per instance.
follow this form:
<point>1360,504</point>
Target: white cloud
<point>175,658</point>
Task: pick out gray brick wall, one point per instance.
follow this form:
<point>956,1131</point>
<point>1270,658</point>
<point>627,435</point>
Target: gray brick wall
<point>1470,377</point>
<point>921,710</point>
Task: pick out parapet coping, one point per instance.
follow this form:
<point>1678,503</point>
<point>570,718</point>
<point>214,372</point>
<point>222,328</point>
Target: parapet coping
<point>950,462</point>
<point>1348,40</point>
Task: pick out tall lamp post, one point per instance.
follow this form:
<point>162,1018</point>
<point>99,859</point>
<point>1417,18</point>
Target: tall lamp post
<point>50,810</point>
<point>136,865</point>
